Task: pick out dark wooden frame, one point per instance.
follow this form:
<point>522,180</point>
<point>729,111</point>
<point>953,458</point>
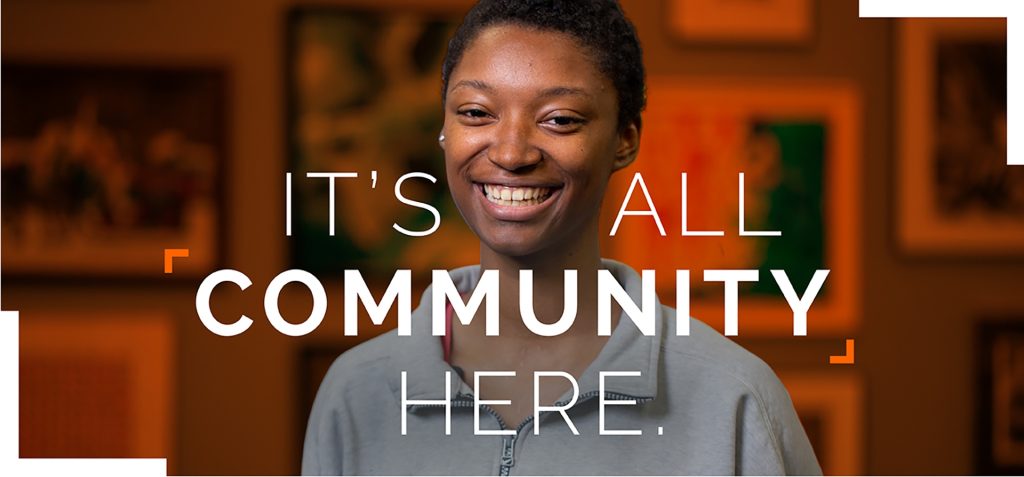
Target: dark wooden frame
<point>987,332</point>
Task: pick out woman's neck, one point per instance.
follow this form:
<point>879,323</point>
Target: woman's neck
<point>548,287</point>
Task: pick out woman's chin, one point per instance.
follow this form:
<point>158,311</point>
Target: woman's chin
<point>512,250</point>
<point>512,247</point>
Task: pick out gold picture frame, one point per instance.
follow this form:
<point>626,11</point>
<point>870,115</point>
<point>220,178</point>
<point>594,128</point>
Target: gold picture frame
<point>97,186</point>
<point>742,21</point>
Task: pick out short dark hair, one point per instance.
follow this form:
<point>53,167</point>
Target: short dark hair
<point>599,25</point>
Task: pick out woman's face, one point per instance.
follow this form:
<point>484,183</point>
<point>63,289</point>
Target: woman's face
<point>531,137</point>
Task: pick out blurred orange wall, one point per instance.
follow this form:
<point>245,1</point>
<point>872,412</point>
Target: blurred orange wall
<point>237,408</point>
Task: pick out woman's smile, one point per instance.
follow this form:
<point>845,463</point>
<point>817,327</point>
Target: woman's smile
<point>517,203</point>
<point>515,196</point>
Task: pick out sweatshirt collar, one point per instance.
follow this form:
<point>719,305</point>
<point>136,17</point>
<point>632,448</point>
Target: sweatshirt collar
<point>627,349</point>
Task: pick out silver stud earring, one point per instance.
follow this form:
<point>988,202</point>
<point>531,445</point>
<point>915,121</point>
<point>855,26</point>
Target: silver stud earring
<point>440,138</point>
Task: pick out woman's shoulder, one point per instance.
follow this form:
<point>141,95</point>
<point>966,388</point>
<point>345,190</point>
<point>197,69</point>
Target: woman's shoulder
<point>363,367</point>
<point>706,353</point>
<point>706,363</point>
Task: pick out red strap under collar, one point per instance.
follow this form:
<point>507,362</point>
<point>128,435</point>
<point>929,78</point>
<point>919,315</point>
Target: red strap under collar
<point>446,340</point>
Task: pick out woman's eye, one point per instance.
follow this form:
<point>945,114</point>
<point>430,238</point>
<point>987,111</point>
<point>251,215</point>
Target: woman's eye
<point>473,113</point>
<point>565,122</point>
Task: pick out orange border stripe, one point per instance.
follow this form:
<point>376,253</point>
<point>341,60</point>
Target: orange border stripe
<point>170,254</point>
<point>845,359</point>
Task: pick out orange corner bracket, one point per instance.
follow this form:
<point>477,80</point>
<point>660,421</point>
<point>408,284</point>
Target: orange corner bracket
<point>170,254</point>
<point>845,359</point>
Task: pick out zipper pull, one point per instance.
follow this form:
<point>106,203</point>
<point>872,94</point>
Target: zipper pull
<point>508,451</point>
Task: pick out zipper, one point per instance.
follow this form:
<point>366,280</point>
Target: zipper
<point>588,395</point>
<point>508,454</point>
<point>508,443</point>
<point>508,448</point>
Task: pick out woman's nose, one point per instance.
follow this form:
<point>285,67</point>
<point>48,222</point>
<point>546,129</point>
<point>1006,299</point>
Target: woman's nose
<point>512,148</point>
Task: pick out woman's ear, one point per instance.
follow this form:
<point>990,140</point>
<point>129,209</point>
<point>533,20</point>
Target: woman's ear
<point>629,145</point>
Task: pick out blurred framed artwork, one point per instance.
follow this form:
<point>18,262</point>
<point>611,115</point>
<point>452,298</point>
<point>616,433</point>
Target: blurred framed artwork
<point>831,409</point>
<point>363,92</point>
<point>106,166</point>
<point>742,22</point>
<point>1000,399</point>
<point>956,194</point>
<point>97,385</point>
<point>798,145</point>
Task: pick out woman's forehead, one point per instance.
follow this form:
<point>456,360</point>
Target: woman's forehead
<point>544,61</point>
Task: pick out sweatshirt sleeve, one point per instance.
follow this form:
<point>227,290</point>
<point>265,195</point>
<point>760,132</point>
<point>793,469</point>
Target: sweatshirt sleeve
<point>322,449</point>
<point>773,439</point>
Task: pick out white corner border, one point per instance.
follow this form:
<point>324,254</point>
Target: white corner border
<point>1012,10</point>
<point>10,461</point>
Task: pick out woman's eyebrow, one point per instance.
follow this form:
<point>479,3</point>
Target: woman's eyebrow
<point>546,93</point>
<point>564,91</point>
<point>475,84</point>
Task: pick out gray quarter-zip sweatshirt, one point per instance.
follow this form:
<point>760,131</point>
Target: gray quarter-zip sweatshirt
<point>704,405</point>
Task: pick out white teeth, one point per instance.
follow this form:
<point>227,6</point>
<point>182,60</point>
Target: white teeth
<point>515,196</point>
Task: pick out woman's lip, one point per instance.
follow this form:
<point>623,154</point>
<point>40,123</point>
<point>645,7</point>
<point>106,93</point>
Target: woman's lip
<point>516,213</point>
<point>517,184</point>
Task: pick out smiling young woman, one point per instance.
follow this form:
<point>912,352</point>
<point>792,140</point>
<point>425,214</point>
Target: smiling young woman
<point>527,113</point>
<point>542,103</point>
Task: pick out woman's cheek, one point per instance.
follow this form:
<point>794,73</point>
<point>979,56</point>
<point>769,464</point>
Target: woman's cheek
<point>463,146</point>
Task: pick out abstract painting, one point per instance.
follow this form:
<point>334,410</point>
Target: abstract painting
<point>364,97</point>
<point>797,145</point>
